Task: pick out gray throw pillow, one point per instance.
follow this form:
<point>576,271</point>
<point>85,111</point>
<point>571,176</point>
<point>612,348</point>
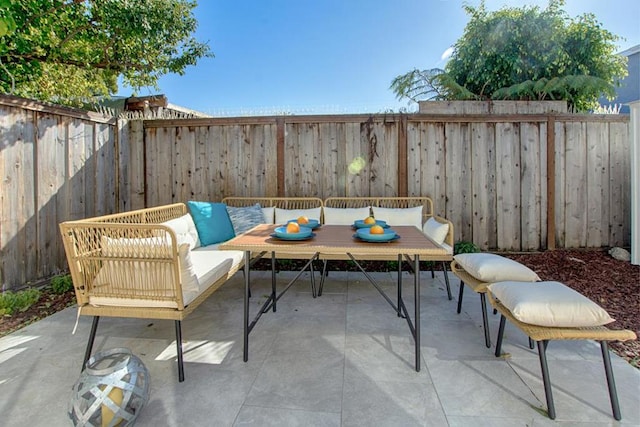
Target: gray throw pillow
<point>245,218</point>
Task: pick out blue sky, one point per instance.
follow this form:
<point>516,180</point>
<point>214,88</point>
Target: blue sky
<point>334,56</point>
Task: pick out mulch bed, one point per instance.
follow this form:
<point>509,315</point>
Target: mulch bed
<point>613,284</point>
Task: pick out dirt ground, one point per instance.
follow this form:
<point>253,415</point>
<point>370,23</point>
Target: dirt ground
<point>615,285</point>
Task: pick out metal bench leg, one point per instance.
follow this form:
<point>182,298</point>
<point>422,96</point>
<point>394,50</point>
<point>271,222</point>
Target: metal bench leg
<point>460,292</point>
<point>485,320</point>
<point>446,280</point>
<point>179,350</point>
<point>531,344</point>
<point>611,383</point>
<point>92,337</point>
<point>503,320</point>
<point>542,352</point>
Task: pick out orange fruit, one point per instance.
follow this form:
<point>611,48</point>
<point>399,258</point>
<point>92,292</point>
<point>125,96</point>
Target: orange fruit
<point>293,227</point>
<point>303,220</point>
<point>369,220</point>
<point>376,229</point>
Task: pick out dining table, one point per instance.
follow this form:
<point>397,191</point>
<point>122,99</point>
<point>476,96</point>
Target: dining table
<point>410,246</point>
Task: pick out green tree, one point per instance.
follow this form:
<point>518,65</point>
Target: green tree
<point>69,51</point>
<point>524,53</point>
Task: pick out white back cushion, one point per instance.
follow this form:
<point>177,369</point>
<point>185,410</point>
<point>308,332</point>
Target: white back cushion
<point>185,230</point>
<point>344,216</point>
<point>284,215</point>
<point>435,230</point>
<point>400,216</point>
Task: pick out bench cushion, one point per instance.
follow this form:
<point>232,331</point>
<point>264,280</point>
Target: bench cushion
<point>344,216</point>
<point>495,268</point>
<point>549,304</point>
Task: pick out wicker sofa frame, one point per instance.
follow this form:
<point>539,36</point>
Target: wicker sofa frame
<point>82,242</point>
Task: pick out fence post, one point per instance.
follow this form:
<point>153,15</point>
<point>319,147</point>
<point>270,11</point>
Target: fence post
<point>634,140</point>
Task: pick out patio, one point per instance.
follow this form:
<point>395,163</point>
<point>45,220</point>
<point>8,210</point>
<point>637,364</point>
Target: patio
<point>343,359</point>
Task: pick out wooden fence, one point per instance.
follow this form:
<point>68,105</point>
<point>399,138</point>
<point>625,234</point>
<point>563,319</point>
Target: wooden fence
<point>56,163</point>
<point>510,181</point>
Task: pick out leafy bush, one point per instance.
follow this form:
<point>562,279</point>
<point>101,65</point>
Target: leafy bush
<point>12,302</point>
<point>62,284</point>
<point>463,247</point>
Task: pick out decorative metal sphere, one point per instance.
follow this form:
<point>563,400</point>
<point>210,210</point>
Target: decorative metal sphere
<point>111,390</point>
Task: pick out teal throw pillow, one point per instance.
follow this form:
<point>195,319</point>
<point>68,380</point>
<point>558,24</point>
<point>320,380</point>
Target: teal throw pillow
<point>212,222</point>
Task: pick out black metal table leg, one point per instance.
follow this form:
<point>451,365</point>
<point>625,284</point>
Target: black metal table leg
<point>247,259</point>
<point>322,276</point>
<point>273,280</point>
<point>399,311</point>
<point>446,280</point>
<point>416,286</point>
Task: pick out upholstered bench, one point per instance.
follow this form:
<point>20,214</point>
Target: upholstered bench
<point>478,270</point>
<point>547,311</point>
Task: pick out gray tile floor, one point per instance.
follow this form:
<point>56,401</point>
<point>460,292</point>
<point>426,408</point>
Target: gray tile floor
<point>343,359</point>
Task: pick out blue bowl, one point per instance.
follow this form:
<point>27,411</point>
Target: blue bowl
<point>365,234</point>
<point>282,232</point>
<point>360,223</point>
<point>313,223</point>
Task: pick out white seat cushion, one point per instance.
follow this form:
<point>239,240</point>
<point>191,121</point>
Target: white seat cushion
<point>495,268</point>
<point>549,304</point>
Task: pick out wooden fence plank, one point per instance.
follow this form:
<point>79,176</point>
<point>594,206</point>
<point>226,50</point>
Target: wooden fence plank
<point>619,186</point>
<point>560,183</point>
<point>106,170</point>
<point>575,204</point>
<point>50,146</point>
<point>530,183</point>
<point>483,181</point>
<point>458,182</point>
<point>597,184</point>
<point>356,161</point>
<point>508,186</point>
